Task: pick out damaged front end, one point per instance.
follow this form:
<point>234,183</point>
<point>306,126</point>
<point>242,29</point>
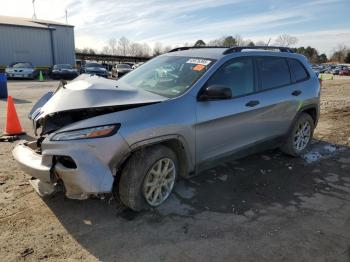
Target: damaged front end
<point>83,160</point>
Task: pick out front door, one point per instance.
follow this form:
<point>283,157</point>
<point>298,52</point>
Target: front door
<point>224,126</point>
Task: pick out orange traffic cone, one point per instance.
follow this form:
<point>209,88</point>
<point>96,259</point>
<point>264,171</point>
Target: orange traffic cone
<point>13,126</point>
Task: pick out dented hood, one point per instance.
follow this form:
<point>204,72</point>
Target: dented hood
<point>91,92</point>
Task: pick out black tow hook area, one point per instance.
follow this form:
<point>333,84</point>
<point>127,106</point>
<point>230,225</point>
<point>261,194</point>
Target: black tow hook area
<point>66,161</point>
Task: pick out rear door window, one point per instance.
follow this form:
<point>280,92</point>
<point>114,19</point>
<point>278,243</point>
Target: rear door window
<point>298,70</point>
<point>274,72</point>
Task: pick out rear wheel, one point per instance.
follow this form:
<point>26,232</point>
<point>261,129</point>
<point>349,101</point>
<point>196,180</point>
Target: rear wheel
<point>148,178</point>
<point>300,137</point>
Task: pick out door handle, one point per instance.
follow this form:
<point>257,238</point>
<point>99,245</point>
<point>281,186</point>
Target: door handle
<point>252,103</point>
<point>296,93</point>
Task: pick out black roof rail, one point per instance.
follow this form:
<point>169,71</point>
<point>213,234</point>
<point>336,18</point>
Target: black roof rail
<point>193,47</point>
<point>234,49</point>
<point>240,48</point>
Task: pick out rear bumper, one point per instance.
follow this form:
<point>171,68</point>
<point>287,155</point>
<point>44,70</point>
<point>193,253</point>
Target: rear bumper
<point>20,76</point>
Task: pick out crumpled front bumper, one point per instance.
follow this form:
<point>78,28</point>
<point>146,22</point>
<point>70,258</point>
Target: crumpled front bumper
<point>95,163</point>
<point>32,163</point>
<point>36,166</point>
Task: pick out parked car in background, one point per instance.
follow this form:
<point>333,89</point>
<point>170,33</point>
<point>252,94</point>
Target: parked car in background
<point>121,69</point>
<point>94,69</point>
<point>335,71</point>
<point>344,71</point>
<point>63,71</point>
<point>329,69</point>
<point>21,70</point>
<point>143,131</point>
<point>316,69</point>
<point>137,65</point>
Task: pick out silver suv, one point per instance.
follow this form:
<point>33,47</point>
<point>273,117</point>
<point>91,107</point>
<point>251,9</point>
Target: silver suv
<point>173,116</point>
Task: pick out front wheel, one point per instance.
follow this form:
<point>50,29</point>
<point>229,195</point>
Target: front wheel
<point>148,178</point>
<point>300,136</point>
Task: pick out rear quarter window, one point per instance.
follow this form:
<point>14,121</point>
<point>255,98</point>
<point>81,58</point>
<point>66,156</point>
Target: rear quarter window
<point>274,72</point>
<point>298,70</point>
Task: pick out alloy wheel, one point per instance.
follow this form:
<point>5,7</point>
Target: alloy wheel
<point>159,181</point>
<point>302,136</point>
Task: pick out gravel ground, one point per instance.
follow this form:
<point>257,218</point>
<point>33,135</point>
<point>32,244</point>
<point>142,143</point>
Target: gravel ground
<point>266,207</point>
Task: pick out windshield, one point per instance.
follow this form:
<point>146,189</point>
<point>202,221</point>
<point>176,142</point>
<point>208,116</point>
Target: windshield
<point>92,65</point>
<point>23,65</point>
<point>123,66</point>
<point>168,76</point>
<point>62,67</point>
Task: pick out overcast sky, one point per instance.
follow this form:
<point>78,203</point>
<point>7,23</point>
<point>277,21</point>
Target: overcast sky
<point>320,23</point>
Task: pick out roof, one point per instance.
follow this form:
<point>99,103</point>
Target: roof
<point>212,53</point>
<point>29,22</point>
<point>217,52</point>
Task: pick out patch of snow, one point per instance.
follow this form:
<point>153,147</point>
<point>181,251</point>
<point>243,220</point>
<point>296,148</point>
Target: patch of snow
<point>223,178</point>
<point>184,191</point>
<point>312,156</point>
<point>330,148</point>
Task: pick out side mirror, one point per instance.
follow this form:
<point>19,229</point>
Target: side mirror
<point>215,92</point>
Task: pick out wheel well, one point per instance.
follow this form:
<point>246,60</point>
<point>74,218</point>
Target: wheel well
<point>312,112</point>
<point>174,144</point>
<point>179,149</point>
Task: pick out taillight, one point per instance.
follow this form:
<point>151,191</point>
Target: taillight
<point>320,80</point>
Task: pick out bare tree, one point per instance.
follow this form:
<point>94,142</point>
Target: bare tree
<point>261,43</point>
<point>88,50</point>
<point>123,46</point>
<point>112,46</point>
<point>139,50</point>
<point>158,49</point>
<point>339,53</point>
<point>239,40</point>
<point>286,40</point>
<point>134,49</point>
<point>167,49</point>
<point>146,50</point>
<point>217,42</point>
<point>106,50</point>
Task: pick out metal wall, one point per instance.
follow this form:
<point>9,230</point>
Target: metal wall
<point>25,44</point>
<point>18,43</point>
<point>63,38</point>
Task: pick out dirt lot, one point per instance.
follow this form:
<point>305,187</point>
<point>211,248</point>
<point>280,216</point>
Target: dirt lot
<point>266,207</point>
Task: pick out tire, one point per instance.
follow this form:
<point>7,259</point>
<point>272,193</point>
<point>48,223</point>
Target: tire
<point>139,169</point>
<point>290,147</point>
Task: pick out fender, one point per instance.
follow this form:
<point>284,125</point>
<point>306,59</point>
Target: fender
<point>302,110</point>
<point>184,155</point>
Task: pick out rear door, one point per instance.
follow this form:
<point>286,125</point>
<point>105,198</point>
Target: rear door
<point>301,88</point>
<point>278,101</point>
<point>262,108</point>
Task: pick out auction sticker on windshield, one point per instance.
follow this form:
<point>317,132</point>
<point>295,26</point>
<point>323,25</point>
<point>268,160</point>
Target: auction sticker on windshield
<point>198,67</point>
<point>198,61</point>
